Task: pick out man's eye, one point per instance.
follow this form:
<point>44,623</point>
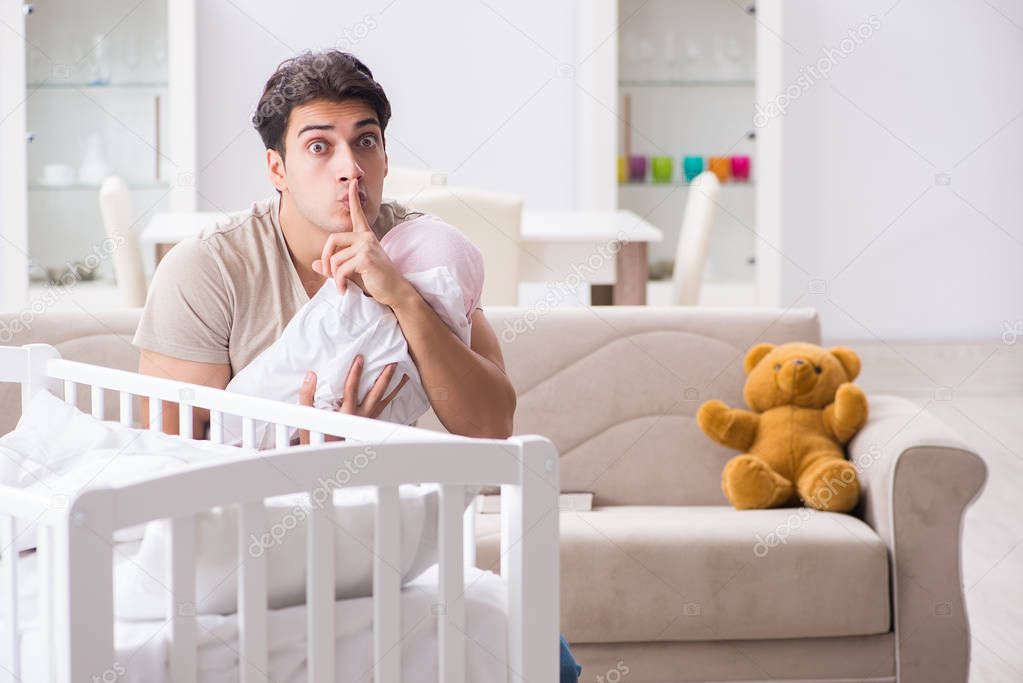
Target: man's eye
<point>318,147</point>
<point>369,142</point>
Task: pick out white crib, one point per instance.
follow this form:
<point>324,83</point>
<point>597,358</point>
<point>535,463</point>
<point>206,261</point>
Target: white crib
<point>75,541</point>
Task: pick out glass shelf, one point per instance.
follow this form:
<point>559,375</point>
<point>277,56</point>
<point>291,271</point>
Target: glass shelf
<point>88,187</point>
<point>69,85</point>
<point>671,83</point>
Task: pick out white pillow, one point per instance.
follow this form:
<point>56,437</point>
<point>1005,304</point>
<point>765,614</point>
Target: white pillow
<point>141,585</point>
<point>328,332</point>
<point>57,450</point>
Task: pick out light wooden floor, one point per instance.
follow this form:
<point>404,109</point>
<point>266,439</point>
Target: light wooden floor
<point>986,406</point>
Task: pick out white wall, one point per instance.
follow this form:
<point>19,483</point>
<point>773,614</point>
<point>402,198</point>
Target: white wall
<point>935,90</point>
<point>474,94</point>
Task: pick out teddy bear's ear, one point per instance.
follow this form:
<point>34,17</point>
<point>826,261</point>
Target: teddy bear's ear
<point>754,356</point>
<point>849,360</point>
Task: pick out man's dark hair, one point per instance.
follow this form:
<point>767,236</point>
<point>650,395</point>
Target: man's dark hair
<point>328,75</point>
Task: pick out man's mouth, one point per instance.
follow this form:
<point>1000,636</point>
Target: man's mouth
<point>346,202</point>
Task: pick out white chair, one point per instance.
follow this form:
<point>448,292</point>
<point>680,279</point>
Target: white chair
<point>694,240</point>
<point>493,222</point>
<point>403,183</point>
<point>115,207</point>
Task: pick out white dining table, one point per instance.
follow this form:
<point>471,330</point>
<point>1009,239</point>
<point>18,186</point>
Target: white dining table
<point>610,246</point>
<point>605,247</point>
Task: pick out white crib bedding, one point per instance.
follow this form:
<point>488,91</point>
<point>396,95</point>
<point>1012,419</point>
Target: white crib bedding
<point>141,646</point>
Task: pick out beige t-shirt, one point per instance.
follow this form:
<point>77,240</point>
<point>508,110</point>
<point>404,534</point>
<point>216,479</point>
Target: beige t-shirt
<point>227,294</point>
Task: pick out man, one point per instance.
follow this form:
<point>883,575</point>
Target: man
<point>216,301</point>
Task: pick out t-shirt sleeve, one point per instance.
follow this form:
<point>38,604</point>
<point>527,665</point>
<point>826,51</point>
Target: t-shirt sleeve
<point>188,312</point>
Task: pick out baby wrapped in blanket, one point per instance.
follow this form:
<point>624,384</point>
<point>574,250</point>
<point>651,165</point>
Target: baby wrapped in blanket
<point>328,332</point>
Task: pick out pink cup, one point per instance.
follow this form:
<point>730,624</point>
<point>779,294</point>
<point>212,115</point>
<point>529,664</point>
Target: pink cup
<point>740,168</point>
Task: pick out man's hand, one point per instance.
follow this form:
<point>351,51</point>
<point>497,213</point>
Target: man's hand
<point>358,256</point>
<point>372,406</point>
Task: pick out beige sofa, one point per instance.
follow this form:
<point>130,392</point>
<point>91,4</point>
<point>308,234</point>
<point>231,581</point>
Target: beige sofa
<point>662,580</point>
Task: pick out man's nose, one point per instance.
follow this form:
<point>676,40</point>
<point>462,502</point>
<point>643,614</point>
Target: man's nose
<point>346,168</point>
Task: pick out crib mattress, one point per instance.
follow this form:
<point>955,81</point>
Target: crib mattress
<point>141,646</point>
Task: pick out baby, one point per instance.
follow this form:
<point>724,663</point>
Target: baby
<point>331,329</point>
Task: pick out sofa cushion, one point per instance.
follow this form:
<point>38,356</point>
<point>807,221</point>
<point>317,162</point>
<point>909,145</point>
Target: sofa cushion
<point>643,573</point>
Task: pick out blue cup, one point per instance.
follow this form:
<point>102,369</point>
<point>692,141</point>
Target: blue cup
<point>692,167</point>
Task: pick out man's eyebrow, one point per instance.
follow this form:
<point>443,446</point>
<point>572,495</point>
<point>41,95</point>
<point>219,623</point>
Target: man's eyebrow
<point>372,121</point>
<point>316,126</point>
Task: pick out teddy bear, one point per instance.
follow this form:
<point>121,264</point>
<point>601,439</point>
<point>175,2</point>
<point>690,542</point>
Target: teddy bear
<point>804,410</point>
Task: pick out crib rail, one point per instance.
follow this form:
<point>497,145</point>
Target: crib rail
<point>78,546</point>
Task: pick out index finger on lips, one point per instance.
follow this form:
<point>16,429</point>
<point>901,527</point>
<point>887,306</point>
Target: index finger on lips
<point>359,223</point>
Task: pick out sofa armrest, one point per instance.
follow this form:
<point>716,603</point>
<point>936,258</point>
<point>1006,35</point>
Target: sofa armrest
<point>917,479</point>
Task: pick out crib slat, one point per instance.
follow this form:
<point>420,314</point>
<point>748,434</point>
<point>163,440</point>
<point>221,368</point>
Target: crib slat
<point>70,392</point>
<point>469,532</point>
<point>98,402</point>
<point>181,606</point>
<point>451,618</point>
<point>281,439</point>
<point>248,432</point>
<point>252,634</point>
<point>316,438</point>
<point>86,646</point>
<point>387,586</point>
<point>9,580</point>
<point>156,414</point>
<point>320,588</point>
<point>127,408</point>
<point>185,420</point>
<point>44,572</point>
<point>216,426</point>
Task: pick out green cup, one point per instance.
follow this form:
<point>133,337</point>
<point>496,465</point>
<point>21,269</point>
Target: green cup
<point>661,169</point>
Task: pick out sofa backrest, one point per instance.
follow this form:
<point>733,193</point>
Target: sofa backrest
<point>100,338</point>
<point>615,388</point>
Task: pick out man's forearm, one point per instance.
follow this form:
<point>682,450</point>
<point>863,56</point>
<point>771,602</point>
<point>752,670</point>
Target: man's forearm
<point>471,395</point>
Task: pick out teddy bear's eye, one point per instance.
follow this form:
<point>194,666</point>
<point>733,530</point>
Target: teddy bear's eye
<point>777,366</point>
<point>817,369</point>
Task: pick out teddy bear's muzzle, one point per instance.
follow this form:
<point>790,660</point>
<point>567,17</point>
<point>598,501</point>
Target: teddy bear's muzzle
<point>796,377</point>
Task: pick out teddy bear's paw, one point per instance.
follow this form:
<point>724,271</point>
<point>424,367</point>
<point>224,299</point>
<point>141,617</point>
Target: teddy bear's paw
<point>851,405</point>
<point>749,483</point>
<point>712,417</point>
<point>830,485</point>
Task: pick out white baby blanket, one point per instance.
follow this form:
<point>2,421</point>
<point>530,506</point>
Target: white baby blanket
<point>330,330</point>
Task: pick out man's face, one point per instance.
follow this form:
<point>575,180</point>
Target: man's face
<point>327,144</point>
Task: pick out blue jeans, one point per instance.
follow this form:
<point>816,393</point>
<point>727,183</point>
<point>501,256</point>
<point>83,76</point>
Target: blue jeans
<point>569,669</point>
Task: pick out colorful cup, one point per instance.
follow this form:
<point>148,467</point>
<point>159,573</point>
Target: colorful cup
<point>721,167</point>
<point>692,167</point>
<point>740,168</point>
<point>637,168</point>
<point>623,169</point>
<point>662,168</point>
